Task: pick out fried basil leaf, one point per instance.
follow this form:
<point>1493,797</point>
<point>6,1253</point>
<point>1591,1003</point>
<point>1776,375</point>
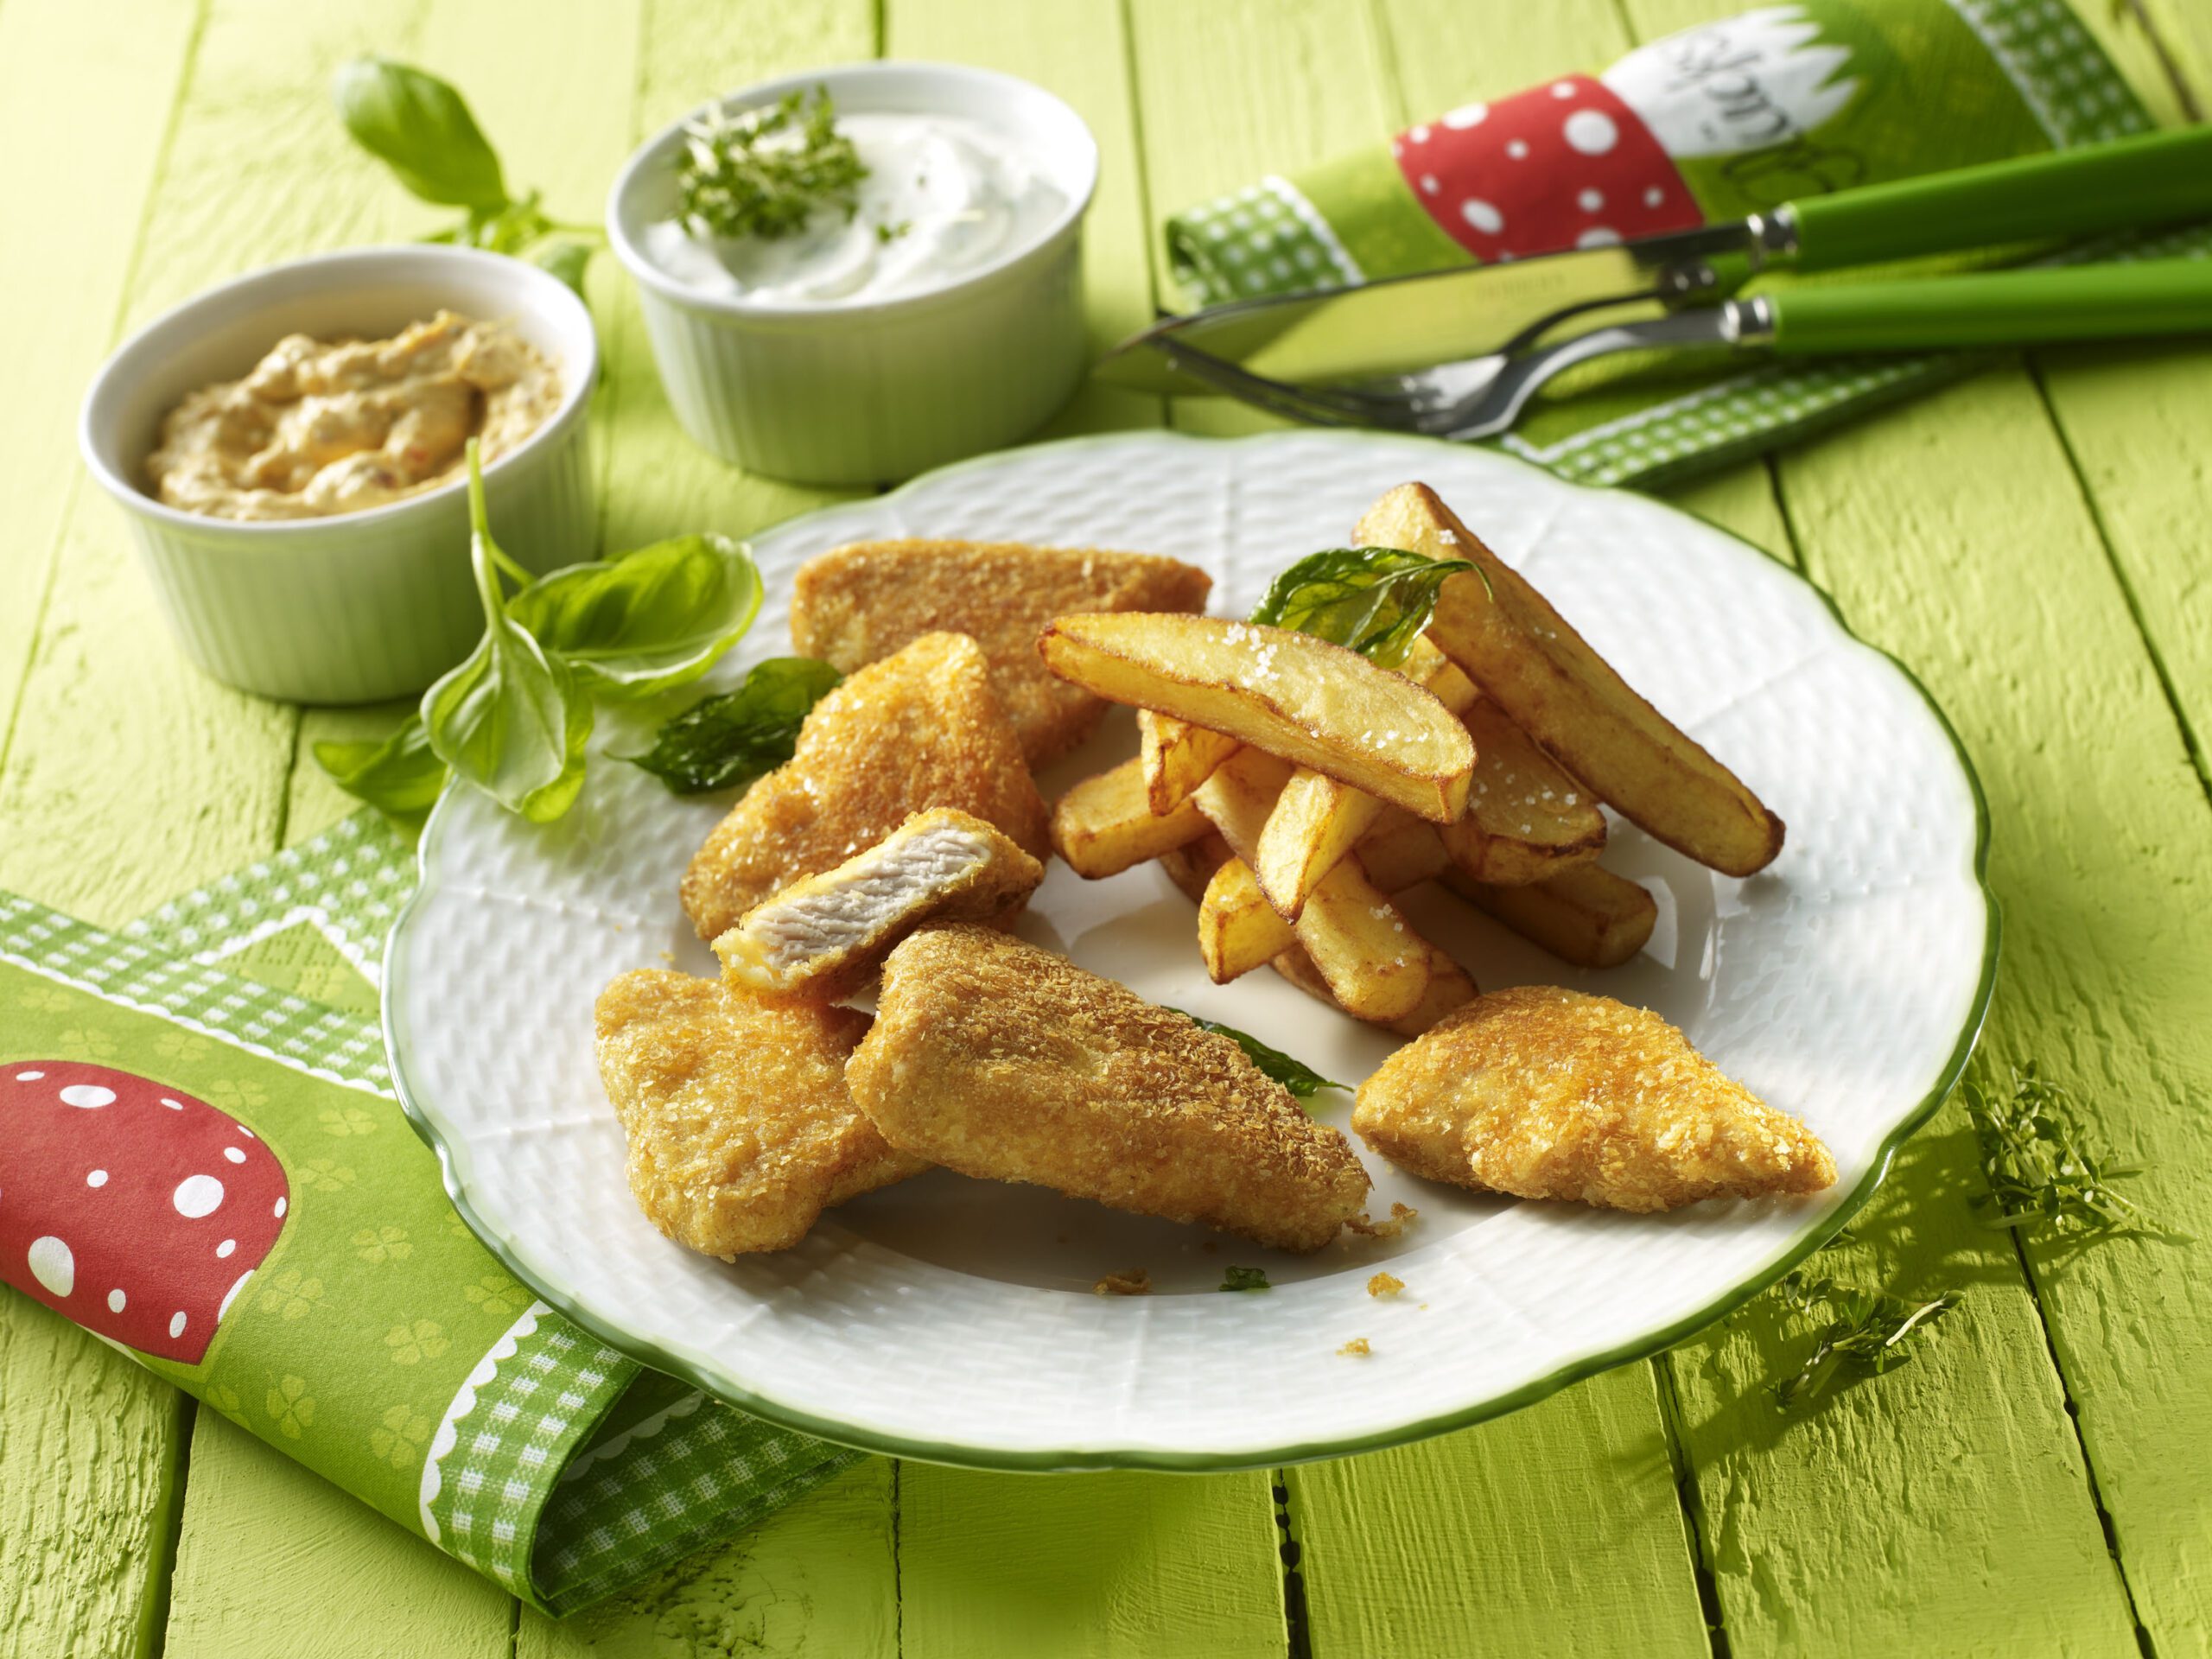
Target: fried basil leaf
<point>1294,1075</point>
<point>732,739</point>
<point>1374,600</point>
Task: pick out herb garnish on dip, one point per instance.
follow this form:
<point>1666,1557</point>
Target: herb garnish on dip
<point>792,205</point>
<point>327,426</point>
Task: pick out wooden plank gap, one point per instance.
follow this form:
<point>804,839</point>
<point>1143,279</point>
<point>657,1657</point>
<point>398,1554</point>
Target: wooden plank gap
<point>2189,737</point>
<point>160,1572</point>
<point>1695,1527</point>
<point>2168,66</point>
<point>1154,243</point>
<point>1298,1639</point>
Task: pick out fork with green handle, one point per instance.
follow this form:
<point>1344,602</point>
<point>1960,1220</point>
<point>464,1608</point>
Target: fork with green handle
<point>1662,292</point>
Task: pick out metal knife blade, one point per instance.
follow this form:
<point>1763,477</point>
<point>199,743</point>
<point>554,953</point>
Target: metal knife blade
<point>1401,324</point>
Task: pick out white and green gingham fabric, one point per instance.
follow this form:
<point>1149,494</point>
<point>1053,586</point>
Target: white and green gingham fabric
<point>554,1464</point>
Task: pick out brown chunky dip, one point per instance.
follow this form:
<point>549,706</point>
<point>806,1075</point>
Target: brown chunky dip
<point>327,426</point>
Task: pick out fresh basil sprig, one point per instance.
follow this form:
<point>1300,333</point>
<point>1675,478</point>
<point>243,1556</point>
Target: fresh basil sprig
<point>512,719</point>
<point>420,128</point>
<point>723,742</point>
<point>764,172</point>
<point>1374,600</point>
<point>1860,1330</point>
<point>1300,1079</point>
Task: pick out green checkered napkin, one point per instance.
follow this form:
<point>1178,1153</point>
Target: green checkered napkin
<point>1707,126</point>
<point>376,1341</point>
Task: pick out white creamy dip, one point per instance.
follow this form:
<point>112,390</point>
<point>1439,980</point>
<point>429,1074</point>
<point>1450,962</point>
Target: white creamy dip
<point>944,196</point>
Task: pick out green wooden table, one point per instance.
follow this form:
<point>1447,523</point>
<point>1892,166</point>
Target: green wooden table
<point>2033,541</point>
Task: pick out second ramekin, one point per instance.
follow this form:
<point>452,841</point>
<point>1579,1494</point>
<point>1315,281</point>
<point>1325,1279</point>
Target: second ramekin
<point>873,391</point>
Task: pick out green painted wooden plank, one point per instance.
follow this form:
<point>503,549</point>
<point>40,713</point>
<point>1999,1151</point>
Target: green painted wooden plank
<point>816,1579</point>
<point>1160,1564</point>
<point>2104,859</point>
<point>2135,420</point>
<point>50,52</point>
<point>88,1461</point>
<point>276,1563</point>
<point>2103,856</point>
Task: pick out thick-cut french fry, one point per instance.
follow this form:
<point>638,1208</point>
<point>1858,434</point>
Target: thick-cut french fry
<point>1527,659</point>
<point>1313,703</point>
<point>1105,824</point>
<point>1402,852</point>
<point>1526,818</point>
<point>1239,796</point>
<point>1192,865</point>
<point>1238,929</point>
<point>1586,915</point>
<point>1318,818</point>
<point>1376,965</point>
<point>1315,822</point>
<point>1449,987</point>
<point>1178,757</point>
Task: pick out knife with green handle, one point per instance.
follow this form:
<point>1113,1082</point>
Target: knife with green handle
<point>1404,324</point>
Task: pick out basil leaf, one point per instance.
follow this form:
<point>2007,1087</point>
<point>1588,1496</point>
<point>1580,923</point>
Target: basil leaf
<point>1246,1279</point>
<point>732,739</point>
<point>400,777</point>
<point>565,259</point>
<point>646,620</point>
<point>419,127</point>
<point>511,720</point>
<point>1294,1075</point>
<point>1374,600</point>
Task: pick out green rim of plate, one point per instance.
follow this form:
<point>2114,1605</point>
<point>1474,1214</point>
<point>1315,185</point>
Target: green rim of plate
<point>709,1380</point>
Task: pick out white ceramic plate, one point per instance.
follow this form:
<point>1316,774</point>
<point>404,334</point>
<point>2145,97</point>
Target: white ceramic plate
<point>954,1319</point>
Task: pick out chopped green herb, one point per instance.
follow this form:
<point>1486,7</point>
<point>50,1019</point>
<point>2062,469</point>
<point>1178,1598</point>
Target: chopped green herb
<point>764,173</point>
<point>2038,1175</point>
<point>892,232</point>
<point>1294,1075</point>
<point>1860,1331</point>
<point>732,739</point>
<point>1246,1279</point>
<point>1376,600</point>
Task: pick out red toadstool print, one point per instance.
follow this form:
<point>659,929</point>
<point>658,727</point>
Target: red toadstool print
<point>137,1211</point>
<point>1564,165</point>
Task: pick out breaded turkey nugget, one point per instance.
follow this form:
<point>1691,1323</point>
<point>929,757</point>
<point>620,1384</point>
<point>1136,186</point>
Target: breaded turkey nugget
<point>1003,1061</point>
<point>821,936</point>
<point>921,729</point>
<point>740,1130</point>
<point>1545,1093</point>
<point>854,604</point>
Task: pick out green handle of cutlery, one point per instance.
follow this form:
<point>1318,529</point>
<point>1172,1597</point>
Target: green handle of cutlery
<point>2009,308</point>
<point>2148,180</point>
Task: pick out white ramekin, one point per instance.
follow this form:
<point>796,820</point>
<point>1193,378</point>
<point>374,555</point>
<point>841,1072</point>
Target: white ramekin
<point>869,391</point>
<point>362,606</point>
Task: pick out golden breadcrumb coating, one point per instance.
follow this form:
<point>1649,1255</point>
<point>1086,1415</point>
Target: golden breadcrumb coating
<point>854,604</point>
<point>918,729</point>
<point>740,1128</point>
<point>1545,1093</point>
<point>824,935</point>
<point>1385,1285</point>
<point>1137,1282</point>
<point>1003,1061</point>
